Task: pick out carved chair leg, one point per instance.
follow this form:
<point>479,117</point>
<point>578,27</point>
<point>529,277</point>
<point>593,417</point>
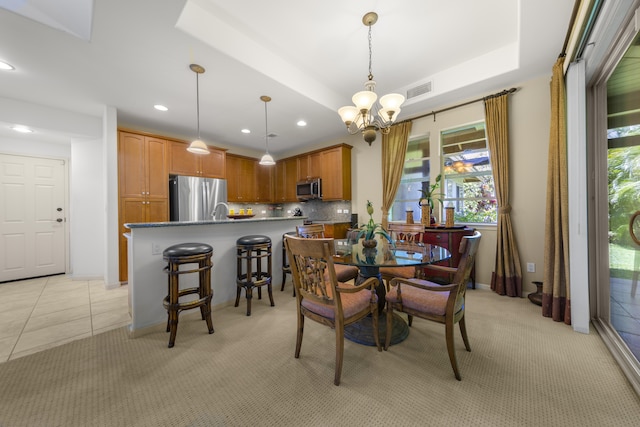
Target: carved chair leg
<point>451,348</point>
<point>463,331</point>
<point>339,353</point>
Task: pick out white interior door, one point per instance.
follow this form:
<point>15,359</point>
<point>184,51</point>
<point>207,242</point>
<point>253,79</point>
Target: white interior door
<point>32,217</point>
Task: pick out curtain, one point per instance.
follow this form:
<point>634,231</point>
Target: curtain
<point>507,275</point>
<point>394,150</point>
<point>556,301</point>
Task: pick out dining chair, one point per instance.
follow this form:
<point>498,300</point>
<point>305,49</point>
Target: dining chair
<point>315,231</point>
<point>439,303</point>
<point>403,234</point>
<point>322,298</point>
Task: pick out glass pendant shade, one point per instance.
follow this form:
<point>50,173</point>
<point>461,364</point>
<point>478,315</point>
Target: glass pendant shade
<point>267,160</point>
<point>392,100</point>
<point>348,113</point>
<point>198,147</point>
<point>364,99</point>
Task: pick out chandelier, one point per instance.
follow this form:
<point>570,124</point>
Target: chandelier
<point>266,159</point>
<point>366,116</point>
<point>198,146</point>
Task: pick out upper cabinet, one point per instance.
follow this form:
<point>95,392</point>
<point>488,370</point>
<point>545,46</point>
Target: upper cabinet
<point>182,162</point>
<point>309,165</point>
<point>264,183</point>
<point>336,172</point>
<point>142,166</point>
<point>286,176</point>
<point>241,179</point>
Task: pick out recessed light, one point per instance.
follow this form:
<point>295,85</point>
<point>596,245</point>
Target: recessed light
<point>160,107</point>
<point>21,129</point>
<point>301,123</point>
<point>6,66</point>
<point>245,131</point>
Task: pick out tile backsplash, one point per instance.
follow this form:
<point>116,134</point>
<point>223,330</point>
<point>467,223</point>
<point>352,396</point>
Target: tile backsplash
<point>315,210</point>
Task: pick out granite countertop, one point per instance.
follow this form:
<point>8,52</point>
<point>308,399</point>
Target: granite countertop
<point>225,221</point>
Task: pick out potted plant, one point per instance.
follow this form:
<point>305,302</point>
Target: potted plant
<point>371,229</point>
<point>426,202</point>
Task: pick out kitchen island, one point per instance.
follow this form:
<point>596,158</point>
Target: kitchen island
<point>148,282</point>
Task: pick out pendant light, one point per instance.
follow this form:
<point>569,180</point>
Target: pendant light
<point>198,146</point>
<point>266,159</point>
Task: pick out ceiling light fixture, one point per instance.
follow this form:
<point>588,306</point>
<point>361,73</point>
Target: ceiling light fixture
<point>198,146</point>
<point>160,107</point>
<point>6,66</point>
<point>266,159</point>
<point>21,129</point>
<point>367,117</point>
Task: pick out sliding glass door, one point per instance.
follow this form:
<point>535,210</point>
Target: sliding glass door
<point>623,201</point>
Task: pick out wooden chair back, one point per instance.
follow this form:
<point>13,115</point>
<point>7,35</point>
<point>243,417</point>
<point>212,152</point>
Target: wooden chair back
<point>409,233</point>
<point>311,263</point>
<point>468,248</point>
<point>311,231</point>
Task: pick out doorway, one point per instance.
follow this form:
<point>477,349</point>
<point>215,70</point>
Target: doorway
<point>33,218</point>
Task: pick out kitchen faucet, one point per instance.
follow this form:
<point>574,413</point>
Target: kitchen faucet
<point>215,209</point>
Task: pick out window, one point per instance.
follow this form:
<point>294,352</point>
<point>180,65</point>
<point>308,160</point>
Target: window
<point>415,177</point>
<point>466,174</point>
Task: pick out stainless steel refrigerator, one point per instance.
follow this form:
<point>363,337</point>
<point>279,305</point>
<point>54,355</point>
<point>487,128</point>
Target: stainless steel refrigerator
<point>193,198</point>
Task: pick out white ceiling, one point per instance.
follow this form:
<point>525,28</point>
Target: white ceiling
<point>310,57</point>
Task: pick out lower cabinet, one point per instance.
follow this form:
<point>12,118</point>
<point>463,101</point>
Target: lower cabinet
<point>337,230</point>
<point>450,239</point>
<point>133,210</point>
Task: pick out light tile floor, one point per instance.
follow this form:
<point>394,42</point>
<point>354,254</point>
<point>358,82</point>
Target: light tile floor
<point>46,312</point>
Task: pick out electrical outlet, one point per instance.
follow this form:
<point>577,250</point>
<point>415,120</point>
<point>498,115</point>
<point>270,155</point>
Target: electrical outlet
<point>531,267</point>
<point>155,249</point>
<point>339,210</point>
<point>346,211</point>
<point>263,212</point>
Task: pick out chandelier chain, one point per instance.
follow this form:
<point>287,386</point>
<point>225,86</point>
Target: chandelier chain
<point>370,50</point>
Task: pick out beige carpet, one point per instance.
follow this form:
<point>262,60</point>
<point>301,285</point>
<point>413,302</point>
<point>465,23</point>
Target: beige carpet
<point>524,370</point>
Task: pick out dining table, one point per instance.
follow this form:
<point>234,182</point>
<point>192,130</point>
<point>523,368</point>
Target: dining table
<point>369,260</point>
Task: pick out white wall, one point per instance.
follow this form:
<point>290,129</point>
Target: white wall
<point>86,211</point>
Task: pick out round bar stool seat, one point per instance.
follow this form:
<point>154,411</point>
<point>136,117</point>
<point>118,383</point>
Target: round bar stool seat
<point>187,253</point>
<point>251,273</point>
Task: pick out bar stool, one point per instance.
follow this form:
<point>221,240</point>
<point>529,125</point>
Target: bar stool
<point>187,253</point>
<point>286,268</point>
<point>251,251</point>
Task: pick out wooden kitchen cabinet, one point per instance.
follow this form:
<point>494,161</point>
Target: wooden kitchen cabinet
<point>264,183</point>
<point>336,230</point>
<point>143,185</point>
<point>286,176</point>
<point>309,166</point>
<point>450,239</point>
<point>135,210</point>
<point>336,173</point>
<point>182,162</point>
<point>241,178</point>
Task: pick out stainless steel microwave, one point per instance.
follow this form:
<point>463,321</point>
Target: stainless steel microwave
<point>309,189</point>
